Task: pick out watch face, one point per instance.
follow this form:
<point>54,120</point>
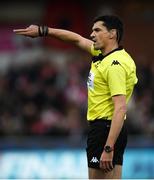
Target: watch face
<point>108,149</point>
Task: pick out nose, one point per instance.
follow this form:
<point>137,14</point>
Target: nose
<point>92,35</point>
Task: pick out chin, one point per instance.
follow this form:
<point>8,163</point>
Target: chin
<point>96,47</point>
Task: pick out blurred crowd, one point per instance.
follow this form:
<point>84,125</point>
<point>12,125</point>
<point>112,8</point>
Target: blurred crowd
<point>42,98</point>
<point>141,107</point>
<point>49,97</point>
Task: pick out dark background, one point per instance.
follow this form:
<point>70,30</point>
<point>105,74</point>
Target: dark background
<point>43,81</point>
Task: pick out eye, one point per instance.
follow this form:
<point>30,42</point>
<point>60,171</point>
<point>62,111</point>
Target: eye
<point>97,30</point>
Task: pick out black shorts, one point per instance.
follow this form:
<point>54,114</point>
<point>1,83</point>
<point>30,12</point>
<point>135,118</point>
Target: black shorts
<point>97,136</point>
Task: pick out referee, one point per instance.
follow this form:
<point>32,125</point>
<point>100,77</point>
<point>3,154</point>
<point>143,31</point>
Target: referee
<point>110,85</point>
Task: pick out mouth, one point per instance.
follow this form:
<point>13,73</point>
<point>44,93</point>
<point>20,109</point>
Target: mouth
<point>94,40</point>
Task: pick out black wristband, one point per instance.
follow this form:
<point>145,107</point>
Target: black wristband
<point>43,30</point>
<point>40,30</point>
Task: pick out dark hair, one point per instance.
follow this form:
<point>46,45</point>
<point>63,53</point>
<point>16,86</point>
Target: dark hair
<point>112,22</point>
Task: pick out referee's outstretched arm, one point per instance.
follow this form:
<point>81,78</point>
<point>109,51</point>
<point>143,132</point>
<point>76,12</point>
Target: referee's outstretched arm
<point>61,34</point>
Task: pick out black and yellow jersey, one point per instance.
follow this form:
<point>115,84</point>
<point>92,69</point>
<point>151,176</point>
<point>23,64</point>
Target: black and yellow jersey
<point>112,74</point>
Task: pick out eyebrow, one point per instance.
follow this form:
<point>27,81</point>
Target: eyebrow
<point>96,28</point>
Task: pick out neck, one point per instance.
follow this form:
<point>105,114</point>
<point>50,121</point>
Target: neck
<point>109,48</point>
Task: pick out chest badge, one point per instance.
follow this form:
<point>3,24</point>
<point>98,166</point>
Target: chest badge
<point>97,64</point>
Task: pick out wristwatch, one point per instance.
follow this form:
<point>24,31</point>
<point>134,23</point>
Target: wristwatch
<point>108,149</point>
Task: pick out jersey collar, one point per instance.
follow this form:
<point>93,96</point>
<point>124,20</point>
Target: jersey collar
<point>100,57</point>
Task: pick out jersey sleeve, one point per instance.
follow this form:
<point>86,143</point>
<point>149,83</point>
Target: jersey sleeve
<point>94,52</point>
<point>116,78</point>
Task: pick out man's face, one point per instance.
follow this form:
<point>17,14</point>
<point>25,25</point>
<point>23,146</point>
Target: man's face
<point>99,35</point>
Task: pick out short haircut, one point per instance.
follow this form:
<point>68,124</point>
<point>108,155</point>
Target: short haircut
<point>112,22</point>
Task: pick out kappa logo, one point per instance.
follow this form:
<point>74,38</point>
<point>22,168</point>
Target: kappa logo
<point>97,64</point>
<point>94,160</point>
<point>115,62</point>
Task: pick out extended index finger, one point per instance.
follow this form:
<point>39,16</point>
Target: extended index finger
<point>19,30</point>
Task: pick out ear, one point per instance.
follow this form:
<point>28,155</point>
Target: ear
<point>113,33</point>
